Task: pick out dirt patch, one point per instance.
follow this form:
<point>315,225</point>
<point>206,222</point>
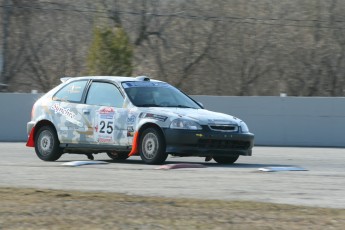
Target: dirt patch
<point>55,209</point>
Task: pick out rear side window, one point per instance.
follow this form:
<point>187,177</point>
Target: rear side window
<point>104,94</point>
<point>72,92</point>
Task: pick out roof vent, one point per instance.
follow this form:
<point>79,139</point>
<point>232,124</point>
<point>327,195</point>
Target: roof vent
<point>143,78</point>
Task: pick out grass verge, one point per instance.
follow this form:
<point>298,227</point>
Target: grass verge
<point>54,209</point>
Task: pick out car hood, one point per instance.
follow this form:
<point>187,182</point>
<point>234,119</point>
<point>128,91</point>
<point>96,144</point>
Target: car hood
<point>202,116</point>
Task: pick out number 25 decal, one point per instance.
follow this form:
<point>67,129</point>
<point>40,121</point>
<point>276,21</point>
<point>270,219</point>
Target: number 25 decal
<point>106,127</point>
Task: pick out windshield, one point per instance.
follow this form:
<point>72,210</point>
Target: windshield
<point>157,94</point>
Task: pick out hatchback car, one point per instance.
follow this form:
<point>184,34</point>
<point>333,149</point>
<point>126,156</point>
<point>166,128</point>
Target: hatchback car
<point>126,116</point>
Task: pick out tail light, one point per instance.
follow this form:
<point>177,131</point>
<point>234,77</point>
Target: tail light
<point>33,112</point>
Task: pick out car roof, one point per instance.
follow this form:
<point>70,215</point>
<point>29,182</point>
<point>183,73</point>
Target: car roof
<point>118,79</point>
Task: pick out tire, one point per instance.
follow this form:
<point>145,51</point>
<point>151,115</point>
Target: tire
<point>152,146</point>
<point>226,160</point>
<point>47,144</point>
<point>118,155</point>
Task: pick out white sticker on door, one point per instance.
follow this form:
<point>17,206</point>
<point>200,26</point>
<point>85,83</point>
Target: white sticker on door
<point>104,125</point>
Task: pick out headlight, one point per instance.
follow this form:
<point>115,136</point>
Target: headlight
<point>185,124</point>
<point>244,127</point>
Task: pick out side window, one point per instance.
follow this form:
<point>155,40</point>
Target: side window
<point>73,92</point>
<point>106,94</point>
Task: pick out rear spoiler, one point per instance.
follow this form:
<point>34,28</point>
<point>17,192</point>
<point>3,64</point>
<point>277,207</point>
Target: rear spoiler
<point>64,79</point>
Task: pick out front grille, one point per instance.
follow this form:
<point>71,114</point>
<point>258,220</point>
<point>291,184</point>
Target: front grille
<point>227,128</point>
<point>223,144</point>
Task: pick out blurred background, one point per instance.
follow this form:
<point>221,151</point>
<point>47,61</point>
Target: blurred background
<point>219,47</point>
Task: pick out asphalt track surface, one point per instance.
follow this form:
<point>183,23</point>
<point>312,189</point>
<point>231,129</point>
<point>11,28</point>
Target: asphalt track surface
<point>323,185</point>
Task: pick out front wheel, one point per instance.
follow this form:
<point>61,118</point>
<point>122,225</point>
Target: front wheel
<point>226,160</point>
<point>47,144</point>
<point>152,146</point>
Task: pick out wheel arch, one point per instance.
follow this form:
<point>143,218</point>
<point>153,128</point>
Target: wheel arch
<point>138,133</point>
<point>150,125</point>
<point>39,125</point>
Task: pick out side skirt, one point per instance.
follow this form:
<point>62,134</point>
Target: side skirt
<point>89,148</point>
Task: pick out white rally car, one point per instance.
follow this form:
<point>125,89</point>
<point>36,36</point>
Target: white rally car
<point>125,116</point>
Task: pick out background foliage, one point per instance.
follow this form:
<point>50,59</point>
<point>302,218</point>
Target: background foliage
<point>110,53</point>
<point>221,47</point>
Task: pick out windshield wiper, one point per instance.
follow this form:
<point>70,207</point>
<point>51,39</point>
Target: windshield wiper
<point>181,106</point>
<point>148,105</point>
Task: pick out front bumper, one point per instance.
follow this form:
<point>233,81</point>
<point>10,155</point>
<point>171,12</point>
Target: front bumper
<point>208,142</point>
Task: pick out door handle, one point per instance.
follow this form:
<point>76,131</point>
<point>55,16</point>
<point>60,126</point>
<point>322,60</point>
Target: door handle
<point>86,111</point>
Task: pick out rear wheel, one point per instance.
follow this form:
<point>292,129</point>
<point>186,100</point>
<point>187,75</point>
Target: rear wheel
<point>226,160</point>
<point>118,155</point>
<point>47,144</point>
<point>152,146</point>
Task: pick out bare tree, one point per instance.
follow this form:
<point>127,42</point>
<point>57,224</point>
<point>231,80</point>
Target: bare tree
<point>223,47</point>
<point>335,62</point>
<point>43,54</point>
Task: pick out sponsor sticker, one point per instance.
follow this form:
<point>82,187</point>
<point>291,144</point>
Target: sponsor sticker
<point>63,111</point>
<point>220,122</point>
<point>105,125</point>
<point>153,116</point>
<point>130,131</point>
<point>131,119</point>
<point>67,113</point>
<point>144,84</point>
